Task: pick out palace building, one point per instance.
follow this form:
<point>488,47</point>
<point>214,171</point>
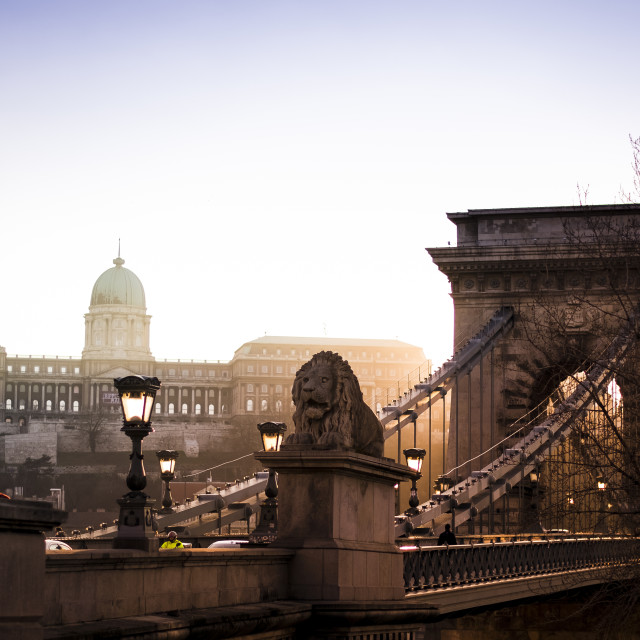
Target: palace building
<point>48,403</point>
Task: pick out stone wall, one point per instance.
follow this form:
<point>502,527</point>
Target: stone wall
<point>34,445</point>
<point>85,586</point>
<point>51,437</point>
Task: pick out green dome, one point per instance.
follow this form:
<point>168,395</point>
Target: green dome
<point>118,286</point>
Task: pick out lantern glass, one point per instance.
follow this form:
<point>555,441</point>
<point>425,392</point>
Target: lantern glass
<point>271,441</point>
<point>167,466</point>
<point>136,406</point>
<point>414,458</point>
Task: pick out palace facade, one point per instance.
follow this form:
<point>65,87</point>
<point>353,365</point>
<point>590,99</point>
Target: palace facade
<point>48,403</point>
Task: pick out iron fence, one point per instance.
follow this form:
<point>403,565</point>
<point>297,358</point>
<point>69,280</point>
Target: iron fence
<point>437,567</point>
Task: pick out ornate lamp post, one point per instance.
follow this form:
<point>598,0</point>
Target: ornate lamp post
<point>271,434</point>
<point>167,460</point>
<point>414,461</point>
<point>601,523</point>
<point>135,525</point>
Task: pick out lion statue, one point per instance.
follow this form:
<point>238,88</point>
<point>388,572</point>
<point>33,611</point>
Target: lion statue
<point>330,411</point>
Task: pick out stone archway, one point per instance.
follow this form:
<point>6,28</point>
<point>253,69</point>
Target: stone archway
<point>575,270</point>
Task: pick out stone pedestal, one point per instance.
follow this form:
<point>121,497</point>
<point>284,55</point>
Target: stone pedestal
<point>135,525</point>
<point>336,510</point>
<point>22,559</point>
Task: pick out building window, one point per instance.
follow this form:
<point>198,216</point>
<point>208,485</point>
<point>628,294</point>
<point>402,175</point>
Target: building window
<point>9,387</point>
<point>23,368</point>
<point>63,405</point>
<point>158,407</point>
<point>198,393</point>
<point>185,373</point>
<point>36,369</point>
<point>172,392</point>
<point>49,369</point>
<point>8,404</point>
<point>22,405</point>
<point>184,408</point>
<point>36,387</point>
<point>9,368</point>
<point>212,373</point>
<point>198,373</point>
<point>278,406</point>
<point>76,371</point>
<point>63,389</point>
<point>171,408</point>
<point>198,409</point>
<point>278,352</point>
<point>249,368</point>
<point>76,389</point>
<point>172,372</point>
<point>263,405</point>
<point>392,372</point>
<point>35,405</point>
<point>278,369</point>
<point>265,369</point>
<point>76,406</point>
<point>250,388</point>
<point>264,388</point>
<point>249,404</point>
<point>49,405</point>
<point>378,372</point>
<point>49,389</point>
<point>225,374</point>
<point>22,388</point>
<point>264,351</point>
<point>63,369</point>
<point>278,388</point>
<point>292,370</point>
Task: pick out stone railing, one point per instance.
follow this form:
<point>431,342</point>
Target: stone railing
<point>435,567</point>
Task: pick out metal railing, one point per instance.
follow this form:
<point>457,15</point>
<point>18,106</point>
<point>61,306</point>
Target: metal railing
<point>438,567</point>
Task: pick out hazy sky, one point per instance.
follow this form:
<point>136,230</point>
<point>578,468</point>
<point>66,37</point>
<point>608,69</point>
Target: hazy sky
<point>279,167</point>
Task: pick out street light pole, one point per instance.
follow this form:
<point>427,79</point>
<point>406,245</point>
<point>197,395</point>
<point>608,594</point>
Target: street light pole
<point>167,460</point>
<point>271,434</point>
<point>135,524</point>
<point>414,461</point>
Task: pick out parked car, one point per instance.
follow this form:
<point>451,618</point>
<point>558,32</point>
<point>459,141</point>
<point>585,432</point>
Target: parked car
<point>56,545</point>
<point>228,544</point>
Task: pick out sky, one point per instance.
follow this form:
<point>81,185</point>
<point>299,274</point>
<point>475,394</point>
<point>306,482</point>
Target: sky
<point>279,168</point>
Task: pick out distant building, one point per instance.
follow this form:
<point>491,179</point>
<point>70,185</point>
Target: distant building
<point>52,398</point>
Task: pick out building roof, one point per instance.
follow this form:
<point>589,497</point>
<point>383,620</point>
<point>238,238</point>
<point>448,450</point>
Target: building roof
<point>118,286</point>
<point>326,342</point>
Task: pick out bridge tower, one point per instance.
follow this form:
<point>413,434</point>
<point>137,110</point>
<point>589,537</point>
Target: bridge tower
<point>572,277</point>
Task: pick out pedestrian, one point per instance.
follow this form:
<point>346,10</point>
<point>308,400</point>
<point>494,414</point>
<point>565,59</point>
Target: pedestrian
<point>172,542</point>
<point>447,536</point>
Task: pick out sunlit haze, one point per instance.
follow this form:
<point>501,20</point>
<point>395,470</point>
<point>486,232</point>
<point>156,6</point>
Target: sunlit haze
<point>279,167</point>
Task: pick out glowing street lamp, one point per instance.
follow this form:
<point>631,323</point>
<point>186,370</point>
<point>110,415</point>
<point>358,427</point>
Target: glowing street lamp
<point>271,434</point>
<point>414,459</point>
<point>602,485</point>
<point>137,396</point>
<point>167,460</point>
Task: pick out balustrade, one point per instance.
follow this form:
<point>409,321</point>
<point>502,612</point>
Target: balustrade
<point>437,567</point>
